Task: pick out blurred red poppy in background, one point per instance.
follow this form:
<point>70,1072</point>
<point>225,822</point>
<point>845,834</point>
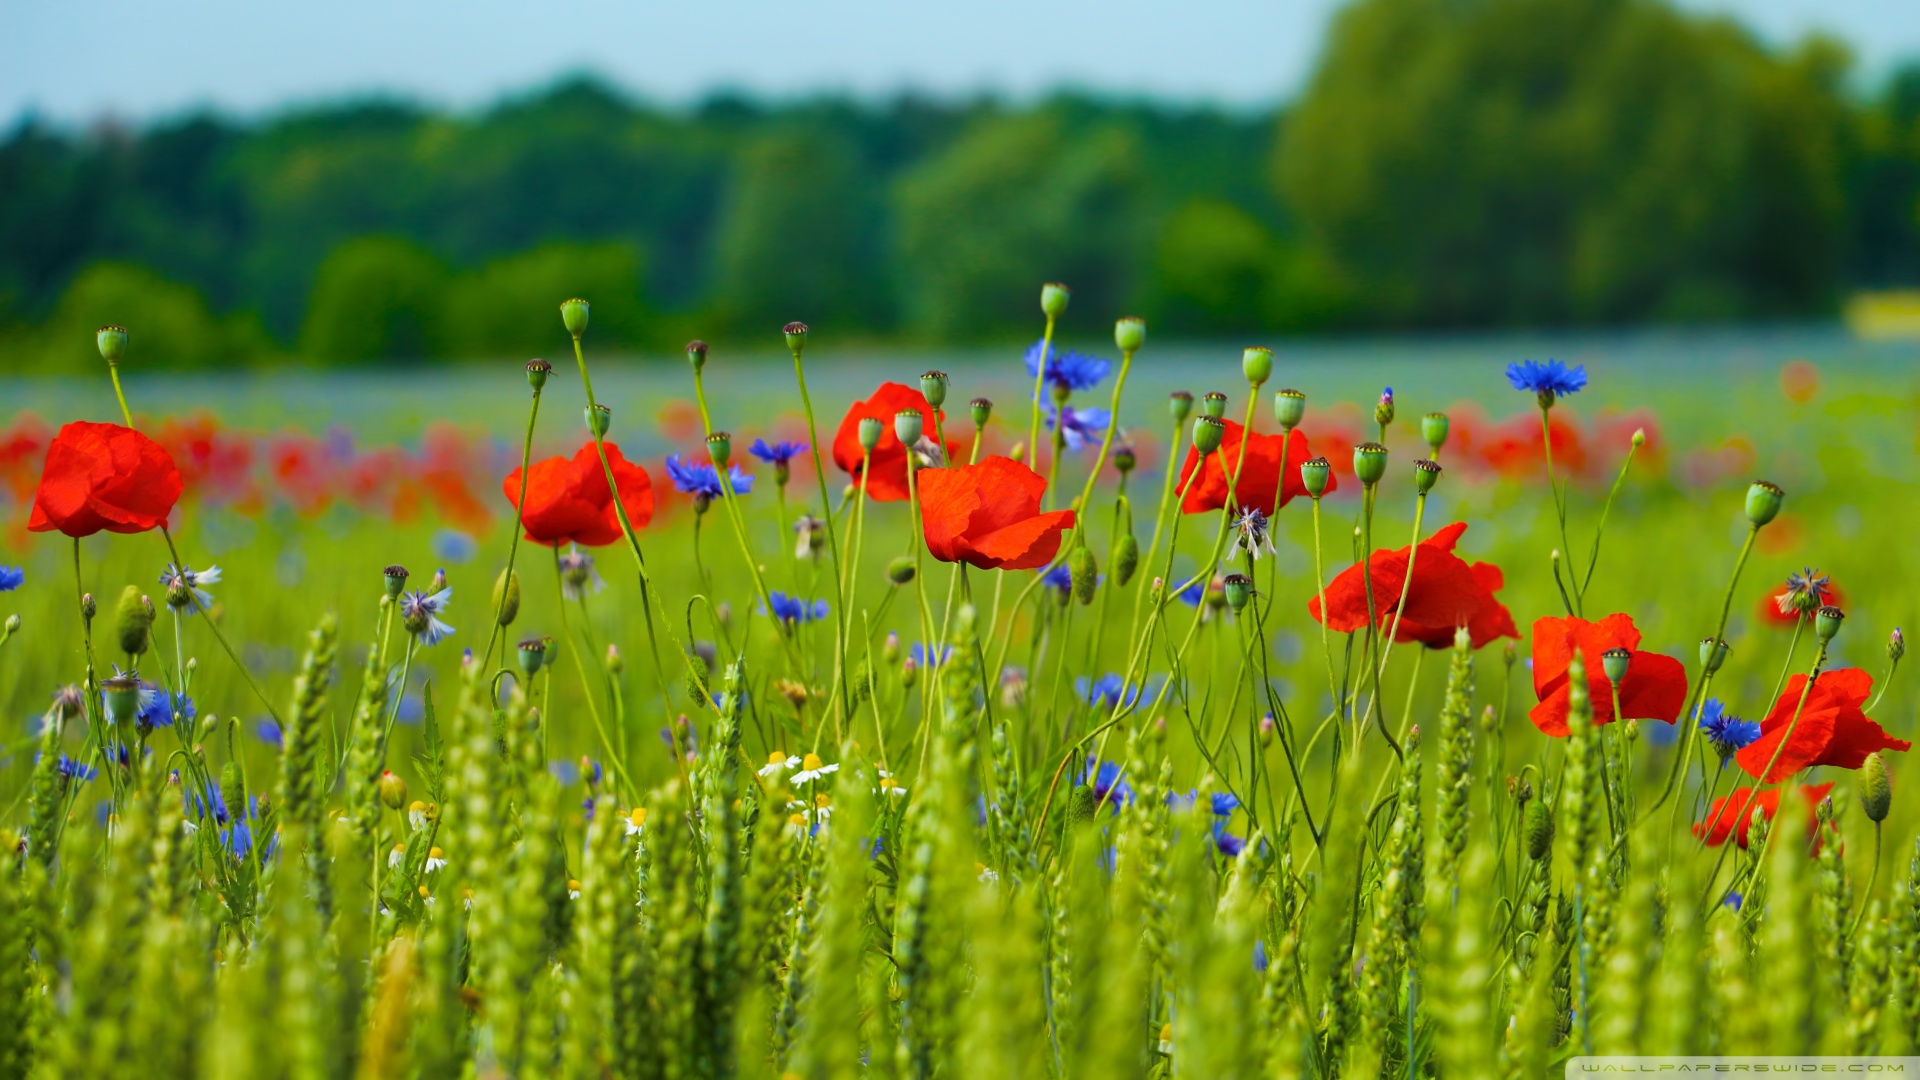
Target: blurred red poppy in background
<point>988,515</point>
<point>568,501</point>
<point>104,476</point>
<point>1446,594</point>
<point>888,482</point>
<point>1259,472</point>
<point>1733,815</point>
<point>1831,730</point>
<point>1655,686</point>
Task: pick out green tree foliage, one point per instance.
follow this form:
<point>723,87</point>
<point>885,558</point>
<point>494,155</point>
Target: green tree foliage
<point>1505,161</point>
<point>176,329</point>
<point>507,307</point>
<point>376,298</point>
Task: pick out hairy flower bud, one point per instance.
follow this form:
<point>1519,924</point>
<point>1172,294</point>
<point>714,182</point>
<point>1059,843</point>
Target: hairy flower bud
<point>133,620</point>
<point>1876,795</point>
<point>901,569</point>
<point>393,790</point>
<point>506,596</point>
<point>1085,573</point>
<point>1539,831</point>
<point>1126,559</point>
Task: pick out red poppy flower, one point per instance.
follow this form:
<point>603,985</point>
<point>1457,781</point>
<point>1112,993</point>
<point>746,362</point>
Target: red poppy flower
<point>104,476</point>
<point>568,500</point>
<point>1446,594</point>
<point>1733,815</point>
<point>988,515</point>
<point>1771,613</point>
<point>1655,687</point>
<point>1259,473</point>
<point>1831,731</point>
<point>889,480</point>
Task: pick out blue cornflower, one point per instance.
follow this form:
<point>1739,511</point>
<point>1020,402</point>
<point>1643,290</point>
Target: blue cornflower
<point>1079,428</point>
<point>1734,900</point>
<point>11,578</point>
<point>180,582</point>
<point>420,614</point>
<point>794,609</point>
<point>779,453</point>
<point>699,477</point>
<point>1108,781</point>
<point>74,770</point>
<point>211,807</point>
<point>1193,594</point>
<point>1109,690</point>
<point>1727,732</point>
<point>158,706</point>
<point>237,837</point>
<point>268,732</point>
<point>925,656</point>
<point>1059,578</point>
<point>1260,957</point>
<point>1547,378</point>
<point>454,546</point>
<point>689,742</point>
<point>565,770</point>
<point>1068,370</point>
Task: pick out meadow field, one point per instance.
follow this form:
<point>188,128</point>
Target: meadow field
<point>996,770</point>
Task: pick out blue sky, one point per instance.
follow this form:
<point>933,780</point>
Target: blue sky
<point>76,60</point>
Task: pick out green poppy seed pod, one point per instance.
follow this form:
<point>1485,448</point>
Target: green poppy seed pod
<point>552,653</point>
<point>393,790</point>
<point>1124,459</point>
<point>1434,428</point>
<point>1876,795</point>
<point>1315,474</point>
<point>395,579</point>
<point>1214,404</point>
<point>901,569</point>
<point>1289,407</point>
<point>981,409</point>
<point>233,788</point>
<point>1369,462</point>
<point>132,620</point>
<point>1256,364</point>
<point>909,673</point>
<point>870,429</point>
<point>506,596</point>
<point>1826,622</point>
<point>1180,406</point>
<point>599,420</point>
<point>1129,333</point>
<point>1207,433</point>
<point>1053,299</point>
<point>720,449</point>
<point>1539,831</point>
<point>112,341</point>
<point>573,314</point>
<point>1126,559</point>
<point>533,653</point>
<point>537,372</point>
<point>933,387</point>
<point>122,696</point>
<point>1425,475</point>
<point>1713,653</point>
<point>697,354</point>
<point>1614,662</point>
<point>1763,502</point>
<point>907,426</point>
<point>1086,575</point>
<point>796,337</point>
<point>1082,804</point>
<point>89,607</point>
<point>1239,589</point>
<point>1896,645</point>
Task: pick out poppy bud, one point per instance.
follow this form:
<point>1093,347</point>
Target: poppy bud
<point>13,624</point>
<point>615,663</point>
<point>1539,831</point>
<point>533,653</point>
<point>909,673</point>
<point>396,579</point>
<point>1314,475</point>
<point>1207,433</point>
<point>697,354</point>
<point>1085,574</point>
<point>122,696</point>
<point>982,408</point>
<point>599,419</point>
<point>1876,797</point>
<point>1214,404</point>
<point>1639,438</point>
<point>933,387</point>
<point>1425,475</point>
<point>1267,730</point>
<point>1433,428</point>
<point>890,648</point>
<point>1256,364</point>
<point>723,614</point>
<point>1289,406</point>
<point>1053,299</point>
<point>1369,462</point>
<point>573,314</point>
<point>1763,502</point>
<point>1157,730</point>
<point>89,607</point>
<point>1180,406</point>
<point>506,596</point>
<point>233,789</point>
<point>393,790</point>
<point>112,341</point>
<point>133,619</point>
<point>720,449</point>
<point>1018,453</point>
<point>900,570</point>
<point>1129,333</point>
<point>869,433</point>
<point>1124,459</point>
<point>1896,645</point>
<point>537,372</point>
<point>1614,662</point>
<point>796,337</point>
<point>907,425</point>
<point>1713,653</point>
<point>1082,803</point>
<point>1383,412</point>
<point>1826,622</point>
<point>1126,559</point>
<point>1509,654</point>
<point>1489,720</point>
<point>1239,589</point>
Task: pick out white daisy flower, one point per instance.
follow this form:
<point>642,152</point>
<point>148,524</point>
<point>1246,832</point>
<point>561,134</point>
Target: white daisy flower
<point>812,768</point>
<point>636,820</point>
<point>396,856</point>
<point>435,859</point>
<point>778,762</point>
